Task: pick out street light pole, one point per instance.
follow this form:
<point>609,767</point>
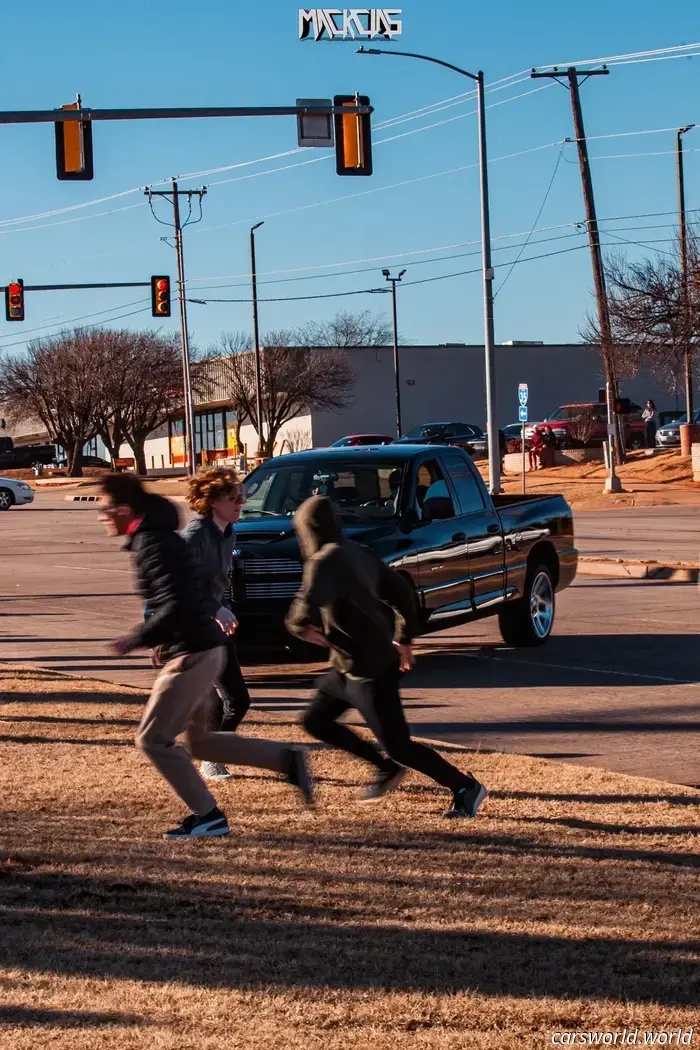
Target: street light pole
<point>489,340</point>
<point>256,339</point>
<point>394,281</point>
<point>683,233</point>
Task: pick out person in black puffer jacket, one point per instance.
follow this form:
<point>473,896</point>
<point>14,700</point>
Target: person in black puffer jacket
<point>181,627</point>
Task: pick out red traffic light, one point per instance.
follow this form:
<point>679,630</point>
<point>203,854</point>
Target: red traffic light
<point>14,301</point>
<point>160,296</point>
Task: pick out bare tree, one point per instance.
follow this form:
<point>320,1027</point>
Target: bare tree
<point>297,439</point>
<point>650,324</point>
<point>156,389</point>
<point>346,330</point>
<point>294,380</point>
<point>57,382</point>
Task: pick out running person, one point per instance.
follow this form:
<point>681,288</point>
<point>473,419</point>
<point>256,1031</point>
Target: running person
<point>217,498</point>
<point>181,628</point>
<point>345,604</point>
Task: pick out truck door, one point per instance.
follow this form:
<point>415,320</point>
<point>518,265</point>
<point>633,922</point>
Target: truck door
<point>441,549</point>
<point>480,529</point>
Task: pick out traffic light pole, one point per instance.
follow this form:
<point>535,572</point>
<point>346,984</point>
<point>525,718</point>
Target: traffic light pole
<point>683,237</point>
<point>612,483</point>
<point>175,194</point>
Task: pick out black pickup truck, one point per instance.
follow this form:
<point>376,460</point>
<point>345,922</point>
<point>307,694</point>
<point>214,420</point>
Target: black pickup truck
<point>17,456</point>
<point>426,511</point>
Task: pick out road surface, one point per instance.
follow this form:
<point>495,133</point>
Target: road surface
<point>618,686</point>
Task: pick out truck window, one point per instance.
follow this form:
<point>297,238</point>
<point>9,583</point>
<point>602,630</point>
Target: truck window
<point>465,484</point>
<point>433,497</point>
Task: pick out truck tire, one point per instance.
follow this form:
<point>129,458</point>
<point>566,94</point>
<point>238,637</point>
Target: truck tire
<point>529,620</point>
<point>636,441</point>
<point>6,499</point>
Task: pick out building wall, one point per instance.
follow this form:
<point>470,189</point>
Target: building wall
<point>447,383</point>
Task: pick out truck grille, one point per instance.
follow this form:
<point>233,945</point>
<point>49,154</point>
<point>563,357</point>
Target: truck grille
<point>269,578</point>
<point>271,566</point>
<point>272,589</point>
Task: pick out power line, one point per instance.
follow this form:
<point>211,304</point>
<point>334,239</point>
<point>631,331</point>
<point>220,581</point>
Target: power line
<point>534,225</point>
<point>107,320</point>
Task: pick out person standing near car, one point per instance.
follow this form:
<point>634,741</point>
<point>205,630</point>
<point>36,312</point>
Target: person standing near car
<point>650,418</point>
<point>181,628</point>
<point>353,604</point>
<point>216,497</point>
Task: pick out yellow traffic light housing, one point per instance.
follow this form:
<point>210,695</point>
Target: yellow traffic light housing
<point>160,296</point>
<point>74,161</point>
<point>14,301</point>
<point>353,137</point>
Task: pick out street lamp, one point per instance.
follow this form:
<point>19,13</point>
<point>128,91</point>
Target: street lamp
<point>489,343</point>
<point>394,281</point>
<point>256,337</point>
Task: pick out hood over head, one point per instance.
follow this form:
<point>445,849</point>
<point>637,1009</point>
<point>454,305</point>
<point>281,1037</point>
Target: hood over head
<point>316,524</point>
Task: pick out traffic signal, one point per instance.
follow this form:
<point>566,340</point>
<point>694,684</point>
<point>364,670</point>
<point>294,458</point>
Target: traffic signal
<point>353,137</point>
<point>14,301</point>
<point>160,296</point>
<point>623,406</point>
<point>74,148</point>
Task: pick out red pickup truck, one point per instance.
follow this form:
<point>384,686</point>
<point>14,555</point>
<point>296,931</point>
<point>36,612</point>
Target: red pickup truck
<point>585,425</point>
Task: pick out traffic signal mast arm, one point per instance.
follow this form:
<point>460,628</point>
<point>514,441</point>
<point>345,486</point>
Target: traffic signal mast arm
<point>55,116</point>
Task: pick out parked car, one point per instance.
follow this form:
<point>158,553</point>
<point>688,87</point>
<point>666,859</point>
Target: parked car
<point>586,425</point>
<point>20,456</point>
<point>362,439</point>
<point>95,461</point>
<point>468,436</point>
<point>669,436</point>
<point>426,511</point>
<point>14,493</point>
<point>513,431</point>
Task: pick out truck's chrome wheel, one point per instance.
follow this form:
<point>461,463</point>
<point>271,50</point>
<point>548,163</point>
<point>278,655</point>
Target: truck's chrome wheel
<point>542,604</point>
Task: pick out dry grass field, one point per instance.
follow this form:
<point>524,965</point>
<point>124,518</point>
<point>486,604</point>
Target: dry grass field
<point>571,903</point>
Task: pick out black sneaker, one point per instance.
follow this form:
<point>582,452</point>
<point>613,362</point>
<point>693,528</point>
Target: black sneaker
<point>211,825</point>
<point>467,800</point>
<point>386,781</point>
<point>299,775</point>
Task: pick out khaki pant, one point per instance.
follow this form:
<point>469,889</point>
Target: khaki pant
<point>179,703</point>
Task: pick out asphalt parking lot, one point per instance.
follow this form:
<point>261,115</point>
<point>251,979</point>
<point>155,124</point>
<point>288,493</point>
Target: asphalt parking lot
<point>617,685</point>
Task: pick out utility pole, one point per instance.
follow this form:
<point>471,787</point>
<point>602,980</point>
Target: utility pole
<point>612,483</point>
<point>256,339</point>
<point>175,194</point>
<point>394,281</point>
<point>683,232</point>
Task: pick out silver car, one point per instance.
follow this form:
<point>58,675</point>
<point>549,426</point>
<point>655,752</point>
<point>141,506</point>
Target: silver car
<point>669,436</point>
<point>14,493</point>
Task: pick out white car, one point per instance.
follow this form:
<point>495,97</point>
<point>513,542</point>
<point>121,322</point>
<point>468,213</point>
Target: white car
<point>14,493</point>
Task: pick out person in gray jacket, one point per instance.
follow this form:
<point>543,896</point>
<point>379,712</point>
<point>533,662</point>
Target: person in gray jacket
<point>216,497</point>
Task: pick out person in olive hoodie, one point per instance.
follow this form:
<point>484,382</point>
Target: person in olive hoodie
<point>181,627</point>
<point>216,497</point>
<point>363,611</point>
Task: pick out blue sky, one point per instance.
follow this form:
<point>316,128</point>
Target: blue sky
<point>231,53</point>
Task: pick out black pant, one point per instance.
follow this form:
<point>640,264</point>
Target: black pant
<point>649,434</point>
<point>231,698</point>
<point>379,702</point>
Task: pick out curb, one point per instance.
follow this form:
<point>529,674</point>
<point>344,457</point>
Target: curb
<point>81,499</point>
<point>639,570</point>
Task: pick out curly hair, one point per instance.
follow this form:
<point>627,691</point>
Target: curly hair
<point>210,485</point>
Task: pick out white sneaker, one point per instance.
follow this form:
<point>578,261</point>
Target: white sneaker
<point>215,771</point>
